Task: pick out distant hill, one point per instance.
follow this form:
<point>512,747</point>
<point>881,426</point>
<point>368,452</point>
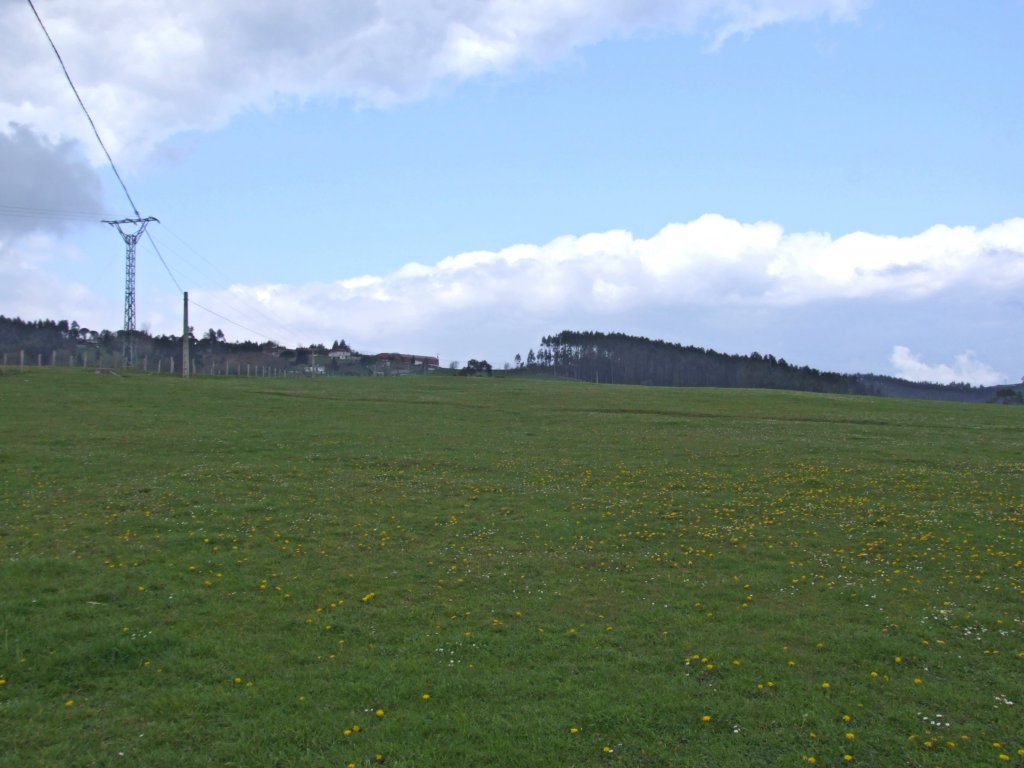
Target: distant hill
<point>618,358</point>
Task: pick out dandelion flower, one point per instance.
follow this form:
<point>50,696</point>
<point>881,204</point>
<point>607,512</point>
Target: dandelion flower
<point>706,719</point>
<point>379,713</point>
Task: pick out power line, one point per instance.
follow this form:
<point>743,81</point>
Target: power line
<point>86,111</point>
<point>222,283</point>
<point>228,319</point>
<point>161,257</point>
<point>28,212</point>
<point>130,268</point>
<point>130,277</point>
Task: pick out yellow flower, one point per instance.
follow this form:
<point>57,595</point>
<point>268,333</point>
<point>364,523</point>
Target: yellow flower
<point>574,730</point>
<point>706,719</point>
<point>69,703</point>
<point>848,758</point>
<point>379,713</point>
<point>426,697</point>
<point>825,686</point>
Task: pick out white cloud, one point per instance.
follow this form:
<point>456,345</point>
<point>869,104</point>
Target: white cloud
<point>965,369</point>
<point>149,71</point>
<point>31,286</point>
<point>703,267</point>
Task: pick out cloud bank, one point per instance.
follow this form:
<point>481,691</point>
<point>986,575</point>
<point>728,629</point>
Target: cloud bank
<point>965,369</point>
<point>712,266</point>
<point>150,71</point>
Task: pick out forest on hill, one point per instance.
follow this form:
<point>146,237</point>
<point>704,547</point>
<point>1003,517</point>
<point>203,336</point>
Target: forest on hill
<point>618,358</point>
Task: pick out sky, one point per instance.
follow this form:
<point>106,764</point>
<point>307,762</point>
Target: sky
<point>839,183</point>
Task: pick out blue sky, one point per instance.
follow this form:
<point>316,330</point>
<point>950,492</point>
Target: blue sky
<point>837,182</point>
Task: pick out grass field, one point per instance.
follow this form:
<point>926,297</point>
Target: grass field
<point>441,571</point>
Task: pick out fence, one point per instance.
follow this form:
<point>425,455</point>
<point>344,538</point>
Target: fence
<point>99,359</point>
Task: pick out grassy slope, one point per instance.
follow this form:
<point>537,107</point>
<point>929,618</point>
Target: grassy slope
<point>238,571</point>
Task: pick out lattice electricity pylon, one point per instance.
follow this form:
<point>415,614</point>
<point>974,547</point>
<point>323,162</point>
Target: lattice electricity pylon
<point>131,239</point>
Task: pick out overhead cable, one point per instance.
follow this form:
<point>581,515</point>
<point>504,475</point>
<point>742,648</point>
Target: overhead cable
<point>86,111</point>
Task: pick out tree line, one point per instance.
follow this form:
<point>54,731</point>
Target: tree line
<point>211,350</point>
<point>619,358</point>
<point>605,358</point>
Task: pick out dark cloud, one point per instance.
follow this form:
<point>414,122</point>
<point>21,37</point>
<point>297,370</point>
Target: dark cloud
<point>44,186</point>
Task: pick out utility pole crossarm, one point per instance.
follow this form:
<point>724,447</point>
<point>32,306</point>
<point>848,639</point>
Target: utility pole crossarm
<point>142,222</point>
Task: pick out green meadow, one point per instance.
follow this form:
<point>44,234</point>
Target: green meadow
<point>446,571</point>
